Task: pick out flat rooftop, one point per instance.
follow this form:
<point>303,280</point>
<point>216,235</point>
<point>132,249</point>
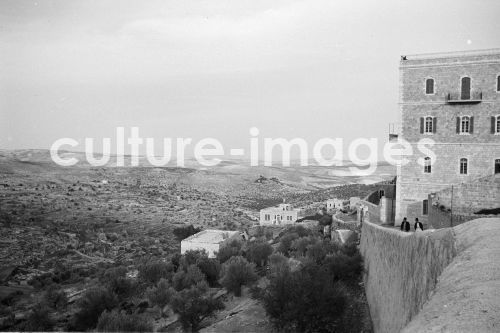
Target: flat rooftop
<point>276,208</point>
<point>210,236</point>
<point>436,55</point>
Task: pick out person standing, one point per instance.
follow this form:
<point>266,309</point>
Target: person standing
<point>418,225</point>
<point>405,225</point>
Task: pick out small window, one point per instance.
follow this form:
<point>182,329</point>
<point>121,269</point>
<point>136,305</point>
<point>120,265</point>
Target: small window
<point>381,193</point>
<point>463,166</point>
<point>429,86</point>
<point>428,125</point>
<point>498,124</point>
<point>427,165</point>
<point>425,207</point>
<point>267,217</point>
<point>498,83</point>
<point>497,165</point>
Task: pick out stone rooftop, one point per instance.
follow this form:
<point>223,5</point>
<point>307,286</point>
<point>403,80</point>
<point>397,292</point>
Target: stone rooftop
<point>210,236</point>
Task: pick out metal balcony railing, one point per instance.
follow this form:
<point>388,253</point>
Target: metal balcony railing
<point>472,96</point>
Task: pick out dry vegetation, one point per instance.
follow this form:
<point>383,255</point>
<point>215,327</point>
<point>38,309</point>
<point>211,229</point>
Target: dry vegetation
<point>65,227</point>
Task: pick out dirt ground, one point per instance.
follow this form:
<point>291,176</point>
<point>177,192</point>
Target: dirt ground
<point>467,296</point>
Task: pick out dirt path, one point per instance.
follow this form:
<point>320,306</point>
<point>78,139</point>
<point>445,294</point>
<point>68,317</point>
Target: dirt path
<point>467,296</point>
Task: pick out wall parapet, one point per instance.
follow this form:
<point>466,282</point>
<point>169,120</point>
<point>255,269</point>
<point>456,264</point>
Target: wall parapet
<point>401,271</point>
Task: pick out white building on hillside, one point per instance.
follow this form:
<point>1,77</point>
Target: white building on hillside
<point>335,203</point>
<point>281,215</point>
<point>209,240</point>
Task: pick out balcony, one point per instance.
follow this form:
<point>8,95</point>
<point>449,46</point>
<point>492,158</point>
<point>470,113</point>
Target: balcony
<point>472,96</point>
<point>394,131</point>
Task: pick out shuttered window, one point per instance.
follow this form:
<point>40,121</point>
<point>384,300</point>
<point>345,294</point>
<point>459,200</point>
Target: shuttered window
<point>429,86</point>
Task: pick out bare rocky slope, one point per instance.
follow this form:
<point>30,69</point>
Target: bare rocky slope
<point>446,280</point>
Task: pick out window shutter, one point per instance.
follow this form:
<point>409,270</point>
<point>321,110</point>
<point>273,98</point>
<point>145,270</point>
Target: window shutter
<point>493,121</point>
<point>458,125</point>
<point>429,86</point>
<point>422,125</point>
<point>434,124</point>
<point>471,125</point>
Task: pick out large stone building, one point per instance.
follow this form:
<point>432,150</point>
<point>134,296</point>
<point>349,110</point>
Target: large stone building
<point>281,215</point>
<point>453,99</point>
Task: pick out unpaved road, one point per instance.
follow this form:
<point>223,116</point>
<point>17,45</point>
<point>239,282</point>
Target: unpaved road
<point>467,296</point>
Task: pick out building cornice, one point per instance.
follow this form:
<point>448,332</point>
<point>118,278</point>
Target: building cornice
<point>475,143</point>
<point>442,103</point>
<point>460,63</point>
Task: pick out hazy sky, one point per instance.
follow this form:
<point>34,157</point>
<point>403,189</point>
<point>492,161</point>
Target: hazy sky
<point>215,68</point>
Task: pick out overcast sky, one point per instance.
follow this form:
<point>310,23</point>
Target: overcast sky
<point>197,69</point>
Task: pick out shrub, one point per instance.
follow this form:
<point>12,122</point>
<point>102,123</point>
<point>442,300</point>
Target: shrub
<point>152,272</point>
<point>319,250</point>
<point>306,300</point>
<point>116,281</point>
<point>344,267</point>
<point>160,295</point>
<point>185,279</point>
<point>116,321</point>
<point>39,319</point>
<point>184,232</point>
<point>258,252</point>
<point>191,257</point>
<point>286,243</point>
<point>193,305</point>
<point>237,272</point>
<point>229,250</point>
<point>211,268</point>
<point>299,230</point>
<point>300,245</point>
<point>93,302</point>
<point>55,298</point>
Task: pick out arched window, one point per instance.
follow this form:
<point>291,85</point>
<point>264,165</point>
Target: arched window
<point>463,166</point>
<point>429,86</point>
<point>464,124</point>
<point>427,165</point>
<point>465,88</point>
<point>428,125</point>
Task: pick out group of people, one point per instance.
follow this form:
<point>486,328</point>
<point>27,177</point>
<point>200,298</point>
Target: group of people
<point>405,225</point>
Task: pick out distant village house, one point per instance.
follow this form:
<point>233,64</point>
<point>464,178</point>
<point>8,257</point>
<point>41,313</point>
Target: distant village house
<point>209,240</point>
<point>283,214</point>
